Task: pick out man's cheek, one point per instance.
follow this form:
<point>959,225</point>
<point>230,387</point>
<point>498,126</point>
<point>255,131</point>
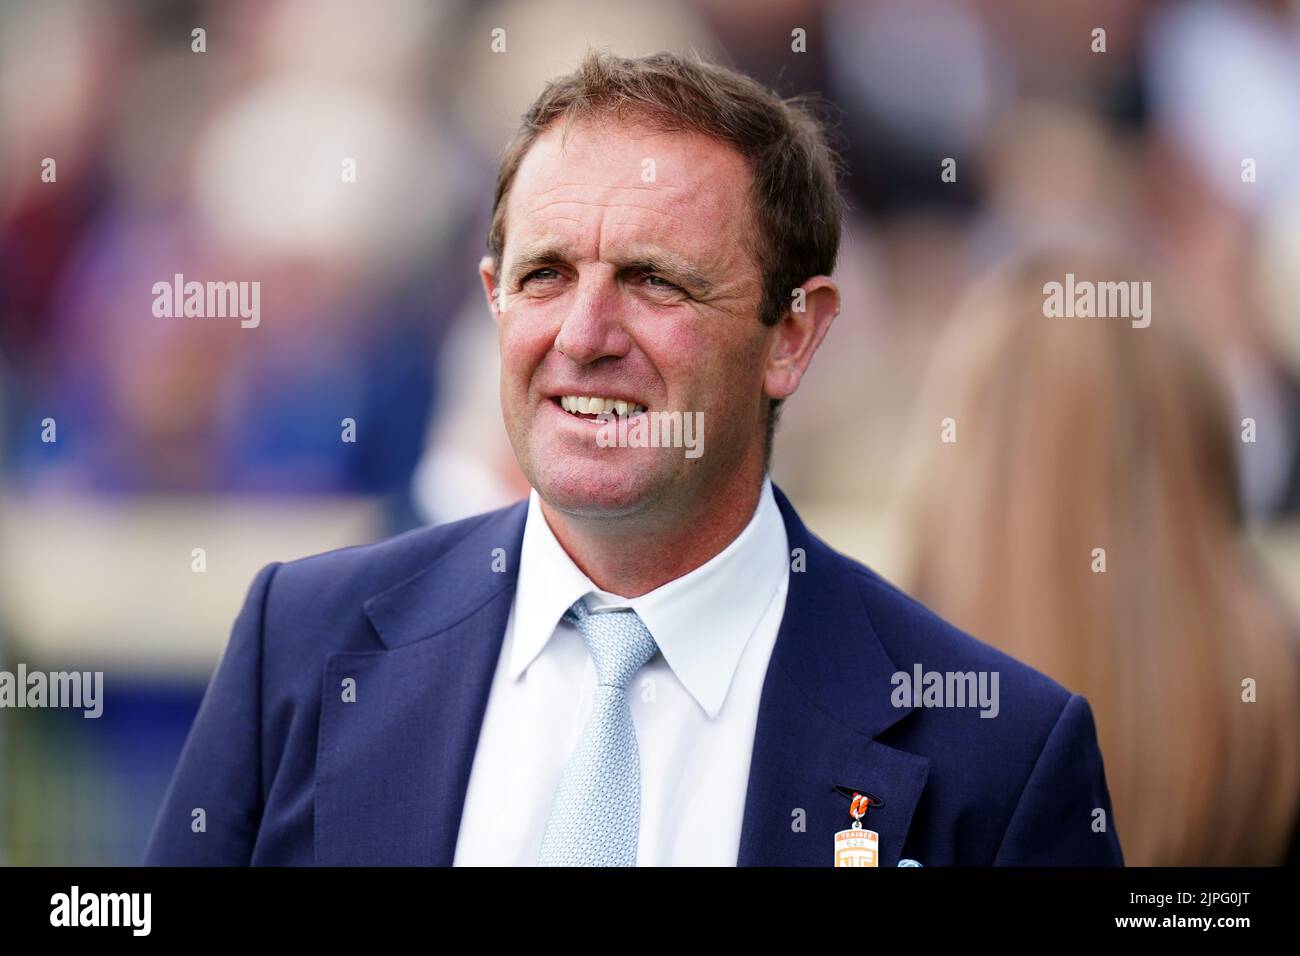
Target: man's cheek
<point>518,359</point>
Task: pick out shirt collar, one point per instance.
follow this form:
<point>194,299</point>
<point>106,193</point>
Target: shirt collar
<point>701,620</point>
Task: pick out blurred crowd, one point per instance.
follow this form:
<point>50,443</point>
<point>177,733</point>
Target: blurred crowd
<point>1166,146</point>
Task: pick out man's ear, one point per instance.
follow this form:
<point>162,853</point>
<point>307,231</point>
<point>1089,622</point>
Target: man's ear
<point>488,273</point>
<point>795,338</point>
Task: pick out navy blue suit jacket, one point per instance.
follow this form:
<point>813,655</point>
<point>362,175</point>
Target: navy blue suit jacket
<point>288,772</point>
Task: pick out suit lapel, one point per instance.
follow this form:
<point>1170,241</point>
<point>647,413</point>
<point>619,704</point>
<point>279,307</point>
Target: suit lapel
<point>826,697</point>
<point>393,766</point>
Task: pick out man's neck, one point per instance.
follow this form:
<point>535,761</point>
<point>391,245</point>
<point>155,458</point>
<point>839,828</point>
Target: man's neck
<point>633,558</point>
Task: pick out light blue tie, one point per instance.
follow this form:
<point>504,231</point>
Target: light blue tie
<point>596,816</point>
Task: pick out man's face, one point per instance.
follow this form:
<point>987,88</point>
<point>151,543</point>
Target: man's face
<point>626,275</point>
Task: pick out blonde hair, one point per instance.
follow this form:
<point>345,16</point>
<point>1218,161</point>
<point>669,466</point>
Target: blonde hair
<point>1075,434</point>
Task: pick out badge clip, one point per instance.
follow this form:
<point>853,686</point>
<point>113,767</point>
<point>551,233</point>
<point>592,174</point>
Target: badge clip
<point>858,846</point>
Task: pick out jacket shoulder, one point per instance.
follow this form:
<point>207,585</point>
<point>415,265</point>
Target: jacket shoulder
<point>320,599</point>
<point>914,634</point>
<point>374,567</point>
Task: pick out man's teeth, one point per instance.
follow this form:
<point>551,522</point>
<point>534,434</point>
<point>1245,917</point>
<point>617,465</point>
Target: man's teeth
<point>589,405</point>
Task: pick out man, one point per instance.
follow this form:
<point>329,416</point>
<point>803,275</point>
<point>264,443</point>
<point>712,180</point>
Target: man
<point>651,661</point>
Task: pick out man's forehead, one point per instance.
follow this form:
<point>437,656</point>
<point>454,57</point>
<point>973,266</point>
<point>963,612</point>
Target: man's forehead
<point>631,139</point>
<point>648,191</point>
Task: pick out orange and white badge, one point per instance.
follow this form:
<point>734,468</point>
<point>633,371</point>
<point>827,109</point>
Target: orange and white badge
<point>857,846</point>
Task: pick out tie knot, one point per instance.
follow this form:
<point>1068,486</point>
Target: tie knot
<point>618,641</point>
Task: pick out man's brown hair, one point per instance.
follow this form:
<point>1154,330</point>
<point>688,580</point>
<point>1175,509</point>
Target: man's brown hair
<point>794,170</point>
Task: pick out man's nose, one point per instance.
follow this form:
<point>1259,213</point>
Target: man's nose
<point>593,326</point>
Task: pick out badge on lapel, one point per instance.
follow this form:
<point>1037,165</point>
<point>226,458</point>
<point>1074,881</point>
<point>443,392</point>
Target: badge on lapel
<point>858,846</point>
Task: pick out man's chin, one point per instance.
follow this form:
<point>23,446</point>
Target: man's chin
<point>598,491</point>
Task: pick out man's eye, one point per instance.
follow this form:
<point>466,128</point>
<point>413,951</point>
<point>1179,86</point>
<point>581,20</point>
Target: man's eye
<point>659,282</point>
<point>538,274</point>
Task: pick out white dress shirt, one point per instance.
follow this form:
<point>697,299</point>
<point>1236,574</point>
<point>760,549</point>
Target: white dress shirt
<point>694,704</point>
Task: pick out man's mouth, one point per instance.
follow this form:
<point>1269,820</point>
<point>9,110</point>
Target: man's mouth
<point>590,407</point>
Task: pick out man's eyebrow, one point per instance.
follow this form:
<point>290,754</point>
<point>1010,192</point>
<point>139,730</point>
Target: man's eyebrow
<point>535,256</point>
<point>667,264</point>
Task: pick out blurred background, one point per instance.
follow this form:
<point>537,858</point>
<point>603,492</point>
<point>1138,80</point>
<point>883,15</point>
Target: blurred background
<point>182,434</point>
